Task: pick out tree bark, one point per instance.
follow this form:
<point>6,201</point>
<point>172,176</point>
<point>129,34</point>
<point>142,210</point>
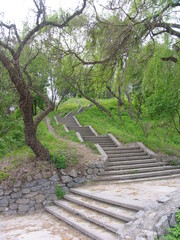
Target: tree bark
<point>26,107</point>
<point>130,105</point>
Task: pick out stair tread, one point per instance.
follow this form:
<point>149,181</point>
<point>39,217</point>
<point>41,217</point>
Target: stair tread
<point>90,229</point>
<point>106,208</point>
<point>108,222</point>
<point>139,175</point>
<point>121,163</point>
<point>139,170</point>
<point>126,154</point>
<point>113,159</point>
<point>113,200</point>
<point>122,167</point>
<point>119,151</point>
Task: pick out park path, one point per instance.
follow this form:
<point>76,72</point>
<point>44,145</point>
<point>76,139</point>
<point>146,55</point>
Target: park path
<point>131,181</point>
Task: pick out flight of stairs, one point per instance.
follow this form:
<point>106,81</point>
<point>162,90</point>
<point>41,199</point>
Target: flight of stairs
<point>100,216</point>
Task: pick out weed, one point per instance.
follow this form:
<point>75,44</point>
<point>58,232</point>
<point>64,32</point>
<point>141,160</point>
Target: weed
<point>173,162</point>
<point>59,160</point>
<point>174,233</point>
<point>3,175</point>
<point>59,192</point>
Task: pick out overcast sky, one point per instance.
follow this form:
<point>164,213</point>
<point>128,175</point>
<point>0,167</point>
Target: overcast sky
<point>17,11</point>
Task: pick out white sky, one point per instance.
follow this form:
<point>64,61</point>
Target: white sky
<point>17,11</point>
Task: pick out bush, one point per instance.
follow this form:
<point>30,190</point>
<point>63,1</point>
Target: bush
<point>59,160</point>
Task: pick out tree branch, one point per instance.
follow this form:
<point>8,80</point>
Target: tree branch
<point>43,24</point>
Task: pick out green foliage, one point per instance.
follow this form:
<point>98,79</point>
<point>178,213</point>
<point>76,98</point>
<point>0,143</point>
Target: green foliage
<point>12,136</point>
<point>59,160</point>
<point>173,162</point>
<point>59,192</point>
<point>160,136</point>
<point>174,233</point>
<point>3,175</point>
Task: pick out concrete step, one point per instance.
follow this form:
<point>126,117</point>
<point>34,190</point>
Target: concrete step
<point>90,138</point>
<point>112,144</point>
<point>139,175</point>
<point>122,148</point>
<point>81,128</point>
<point>115,155</point>
<point>103,220</point>
<point>123,167</point>
<point>136,170</point>
<point>117,212</point>
<point>111,199</point>
<point>119,151</point>
<point>99,138</point>
<point>114,159</point>
<point>92,230</point>
<point>122,163</point>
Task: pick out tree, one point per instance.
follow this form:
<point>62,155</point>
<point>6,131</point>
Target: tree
<point>12,45</point>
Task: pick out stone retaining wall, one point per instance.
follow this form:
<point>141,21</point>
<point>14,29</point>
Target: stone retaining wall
<point>40,190</point>
<point>74,178</point>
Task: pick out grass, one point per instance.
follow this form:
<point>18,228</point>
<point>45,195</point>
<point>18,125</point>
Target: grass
<point>61,154</point>
<point>157,137</point>
<point>72,104</point>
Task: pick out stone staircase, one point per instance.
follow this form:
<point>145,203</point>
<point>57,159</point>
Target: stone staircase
<point>99,215</point>
<point>132,162</point>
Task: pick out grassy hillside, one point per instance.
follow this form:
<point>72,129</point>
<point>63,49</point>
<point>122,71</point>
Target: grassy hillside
<point>14,152</point>
<point>164,140</point>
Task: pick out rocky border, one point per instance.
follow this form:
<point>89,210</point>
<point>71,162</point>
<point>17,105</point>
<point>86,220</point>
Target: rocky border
<point>154,221</point>
<point>40,190</point>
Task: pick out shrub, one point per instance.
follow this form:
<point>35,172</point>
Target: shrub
<point>59,160</point>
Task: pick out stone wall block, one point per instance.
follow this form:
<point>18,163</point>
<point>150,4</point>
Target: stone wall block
<point>16,189</point>
<point>13,206</point>
<point>162,225</point>
<point>39,198</point>
<point>42,181</point>
<point>66,179</point>
<point>26,190</point>
<point>17,184</point>
<point>7,192</point>
<point>36,188</point>
<point>30,184</point>
<point>23,208</point>
<point>30,195</point>
<point>1,193</point>
<point>73,173</point>
<point>55,178</point>
<point>4,202</point>
<point>37,176</point>
<point>89,171</point>
<point>23,201</point>
<point>16,194</point>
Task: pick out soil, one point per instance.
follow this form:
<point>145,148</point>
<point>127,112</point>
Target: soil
<point>85,154</point>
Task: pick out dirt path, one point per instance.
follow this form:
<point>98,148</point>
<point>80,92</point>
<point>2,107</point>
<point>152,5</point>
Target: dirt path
<point>85,154</point>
